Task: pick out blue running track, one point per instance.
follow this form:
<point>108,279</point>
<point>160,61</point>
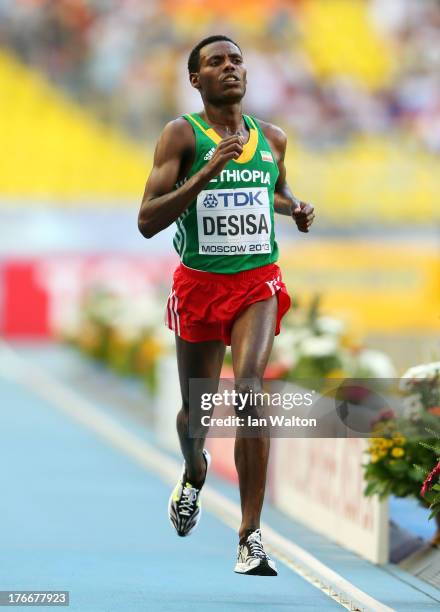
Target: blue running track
<point>79,515</point>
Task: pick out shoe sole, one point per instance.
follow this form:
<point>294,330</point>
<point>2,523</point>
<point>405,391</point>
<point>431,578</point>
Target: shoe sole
<point>170,501</point>
<point>263,569</point>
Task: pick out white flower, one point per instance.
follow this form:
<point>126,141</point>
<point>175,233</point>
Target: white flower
<point>127,325</point>
<point>106,309</point>
<point>298,334</point>
<point>330,325</point>
<point>419,372</point>
<point>376,363</point>
<point>285,348</point>
<point>319,346</point>
<point>411,405</point>
<point>424,370</point>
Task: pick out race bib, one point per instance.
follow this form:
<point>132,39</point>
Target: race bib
<point>234,221</point>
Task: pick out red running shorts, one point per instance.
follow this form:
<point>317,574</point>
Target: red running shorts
<point>204,305</point>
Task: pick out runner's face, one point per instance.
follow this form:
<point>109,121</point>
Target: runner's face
<point>222,74</point>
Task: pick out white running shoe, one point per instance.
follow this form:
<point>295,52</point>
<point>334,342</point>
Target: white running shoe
<point>252,558</point>
<point>184,507</point>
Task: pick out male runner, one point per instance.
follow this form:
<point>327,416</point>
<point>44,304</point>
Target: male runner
<point>220,176</point>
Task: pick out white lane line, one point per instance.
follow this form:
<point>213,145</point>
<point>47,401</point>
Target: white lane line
<point>296,558</point>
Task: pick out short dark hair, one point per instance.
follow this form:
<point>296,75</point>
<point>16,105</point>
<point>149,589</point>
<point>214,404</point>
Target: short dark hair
<point>194,56</point>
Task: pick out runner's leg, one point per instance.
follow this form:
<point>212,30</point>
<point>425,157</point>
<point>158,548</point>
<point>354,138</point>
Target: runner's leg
<point>195,360</point>
<point>251,344</point>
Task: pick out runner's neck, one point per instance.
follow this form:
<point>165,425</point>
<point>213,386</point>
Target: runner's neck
<point>226,120</point>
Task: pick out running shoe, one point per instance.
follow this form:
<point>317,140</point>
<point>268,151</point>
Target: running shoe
<point>252,558</point>
<point>184,507</point>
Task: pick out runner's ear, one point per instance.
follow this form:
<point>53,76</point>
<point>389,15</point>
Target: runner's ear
<point>194,80</point>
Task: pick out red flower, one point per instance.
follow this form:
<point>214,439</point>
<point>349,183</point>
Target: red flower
<point>430,480</point>
<point>385,415</point>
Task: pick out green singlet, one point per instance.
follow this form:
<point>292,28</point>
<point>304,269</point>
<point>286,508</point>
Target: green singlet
<point>230,226</point>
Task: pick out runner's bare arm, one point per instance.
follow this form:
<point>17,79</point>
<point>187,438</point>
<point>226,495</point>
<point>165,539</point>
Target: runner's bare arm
<point>162,204</point>
<point>285,203</point>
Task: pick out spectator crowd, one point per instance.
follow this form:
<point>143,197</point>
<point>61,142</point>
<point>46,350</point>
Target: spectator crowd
<point>126,60</point>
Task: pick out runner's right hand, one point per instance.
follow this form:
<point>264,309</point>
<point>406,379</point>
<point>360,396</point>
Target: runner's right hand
<point>227,149</point>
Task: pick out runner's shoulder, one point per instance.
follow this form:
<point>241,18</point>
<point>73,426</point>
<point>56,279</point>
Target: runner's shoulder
<point>178,135</point>
<point>275,135</point>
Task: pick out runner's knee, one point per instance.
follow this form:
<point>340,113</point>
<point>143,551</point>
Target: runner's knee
<point>248,397</point>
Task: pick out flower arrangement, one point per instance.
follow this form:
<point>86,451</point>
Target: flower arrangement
<point>395,457</point>
<point>129,335</point>
<point>430,490</point>
<point>404,448</point>
<point>315,347</point>
<point>126,334</point>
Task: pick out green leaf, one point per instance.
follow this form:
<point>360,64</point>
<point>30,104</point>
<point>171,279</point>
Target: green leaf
<point>435,511</point>
<point>370,489</point>
<point>398,467</point>
<point>401,489</point>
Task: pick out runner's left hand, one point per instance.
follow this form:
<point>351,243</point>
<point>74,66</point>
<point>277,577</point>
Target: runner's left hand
<point>303,215</point>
